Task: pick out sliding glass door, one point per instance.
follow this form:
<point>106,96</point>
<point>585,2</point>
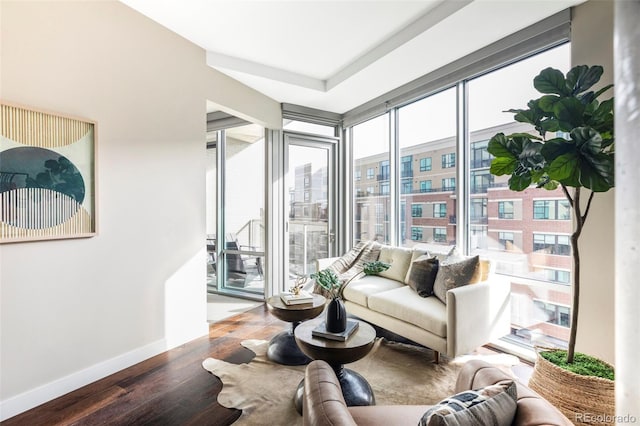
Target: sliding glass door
<point>310,166</point>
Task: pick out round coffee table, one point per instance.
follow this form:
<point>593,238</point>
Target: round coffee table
<point>355,388</point>
<point>282,347</point>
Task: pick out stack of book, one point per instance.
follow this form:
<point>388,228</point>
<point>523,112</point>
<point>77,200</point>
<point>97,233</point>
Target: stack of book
<point>321,331</point>
<point>296,299</point>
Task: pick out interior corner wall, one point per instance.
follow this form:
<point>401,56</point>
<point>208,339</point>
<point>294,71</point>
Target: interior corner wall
<point>73,311</point>
<point>592,44</point>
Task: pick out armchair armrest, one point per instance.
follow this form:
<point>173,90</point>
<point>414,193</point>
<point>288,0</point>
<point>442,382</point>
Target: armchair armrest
<point>323,403</point>
<point>477,314</point>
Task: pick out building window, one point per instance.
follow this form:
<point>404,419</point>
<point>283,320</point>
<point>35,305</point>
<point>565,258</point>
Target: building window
<point>370,190</point>
<point>406,166</point>
<point>416,210</point>
<point>425,164</point>
<point>478,209</point>
<point>425,186</point>
<point>505,209</point>
<point>552,244</point>
<point>416,233</point>
<point>440,210</point>
<point>406,187</point>
<point>449,184</point>
<point>505,239</point>
<point>558,276</point>
<point>553,314</point>
<point>384,188</point>
<point>448,160</point>
<point>307,196</point>
<point>480,181</point>
<point>371,174</point>
<point>551,209</point>
<point>384,170</point>
<point>307,181</point>
<point>479,156</point>
<point>440,235</point>
<point>357,174</point>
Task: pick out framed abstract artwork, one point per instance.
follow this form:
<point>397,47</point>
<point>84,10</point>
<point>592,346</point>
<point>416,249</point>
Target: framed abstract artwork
<point>47,175</point>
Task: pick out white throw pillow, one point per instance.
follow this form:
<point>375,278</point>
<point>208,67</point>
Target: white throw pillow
<point>399,258</point>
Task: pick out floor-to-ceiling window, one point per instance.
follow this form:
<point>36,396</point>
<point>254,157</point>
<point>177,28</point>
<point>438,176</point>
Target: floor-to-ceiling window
<point>524,234</point>
<point>371,180</point>
<point>236,233</point>
<point>427,141</point>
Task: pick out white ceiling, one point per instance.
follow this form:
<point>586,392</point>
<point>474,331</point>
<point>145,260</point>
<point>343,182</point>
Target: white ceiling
<point>336,55</point>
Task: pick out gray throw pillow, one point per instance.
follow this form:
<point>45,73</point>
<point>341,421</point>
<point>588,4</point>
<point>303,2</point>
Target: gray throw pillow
<point>422,275</point>
<point>493,405</point>
<point>453,275</point>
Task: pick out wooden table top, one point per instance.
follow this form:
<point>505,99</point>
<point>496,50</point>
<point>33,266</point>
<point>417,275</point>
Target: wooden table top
<point>335,352</point>
<point>296,313</point>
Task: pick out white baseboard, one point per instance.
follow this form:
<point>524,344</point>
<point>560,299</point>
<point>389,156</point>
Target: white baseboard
<point>34,397</point>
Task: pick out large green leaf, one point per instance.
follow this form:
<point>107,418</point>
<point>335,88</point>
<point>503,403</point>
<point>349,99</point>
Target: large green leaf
<point>530,156</point>
<point>498,147</point>
<point>547,102</point>
<point>582,77</point>
<point>519,182</point>
<point>570,113</point>
<point>563,166</point>
<point>550,81</point>
<point>587,140</point>
<point>553,148</point>
<point>503,166</point>
<point>525,116</point>
<point>596,172</point>
<point>603,113</point>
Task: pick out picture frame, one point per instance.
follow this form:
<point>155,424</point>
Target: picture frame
<point>47,175</point>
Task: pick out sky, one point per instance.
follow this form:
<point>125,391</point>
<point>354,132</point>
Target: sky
<point>434,118</point>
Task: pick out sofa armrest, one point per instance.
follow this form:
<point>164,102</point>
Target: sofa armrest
<point>476,314</point>
<point>323,403</point>
<point>325,262</point>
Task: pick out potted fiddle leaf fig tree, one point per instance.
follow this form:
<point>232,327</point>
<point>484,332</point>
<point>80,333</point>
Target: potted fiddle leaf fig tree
<point>573,149</point>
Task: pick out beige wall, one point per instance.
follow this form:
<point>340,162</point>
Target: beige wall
<point>73,311</point>
<point>592,44</point>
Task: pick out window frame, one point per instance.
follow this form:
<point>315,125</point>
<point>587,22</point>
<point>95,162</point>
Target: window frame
<point>426,166</point>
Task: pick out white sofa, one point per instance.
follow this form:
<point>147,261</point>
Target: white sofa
<point>474,314</point>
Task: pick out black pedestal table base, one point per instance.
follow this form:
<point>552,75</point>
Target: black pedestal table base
<point>284,350</point>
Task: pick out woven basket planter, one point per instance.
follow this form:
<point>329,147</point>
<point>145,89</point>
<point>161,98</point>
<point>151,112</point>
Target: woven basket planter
<point>585,400</point>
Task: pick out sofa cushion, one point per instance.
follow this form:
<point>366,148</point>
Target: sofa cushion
<point>399,258</point>
<point>453,275</point>
<point>422,275</point>
<point>359,290</point>
<point>491,405</point>
<point>404,304</point>
<point>414,255</point>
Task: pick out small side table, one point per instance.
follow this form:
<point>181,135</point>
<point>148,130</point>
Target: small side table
<point>355,388</point>
<point>282,347</point>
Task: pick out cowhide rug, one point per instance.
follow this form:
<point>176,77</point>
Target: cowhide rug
<point>398,374</point>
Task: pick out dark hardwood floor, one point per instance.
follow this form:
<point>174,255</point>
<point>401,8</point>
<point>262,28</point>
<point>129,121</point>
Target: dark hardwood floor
<point>169,389</point>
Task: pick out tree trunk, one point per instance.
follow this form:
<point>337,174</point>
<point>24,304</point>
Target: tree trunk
<point>575,306</point>
<point>576,297</point>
